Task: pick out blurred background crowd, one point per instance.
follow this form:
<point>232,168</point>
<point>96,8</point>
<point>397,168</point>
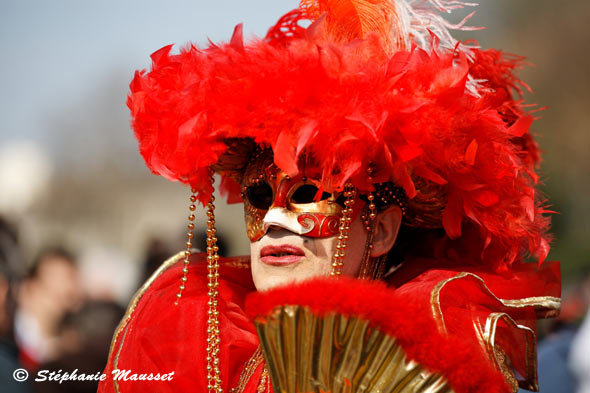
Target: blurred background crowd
<point>83,223</point>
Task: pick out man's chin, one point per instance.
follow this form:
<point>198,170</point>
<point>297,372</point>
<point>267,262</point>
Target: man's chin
<point>275,281</point>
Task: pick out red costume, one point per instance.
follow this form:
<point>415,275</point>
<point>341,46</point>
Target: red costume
<point>373,101</point>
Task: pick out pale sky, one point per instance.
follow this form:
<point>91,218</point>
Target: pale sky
<point>66,64</point>
<point>55,52</point>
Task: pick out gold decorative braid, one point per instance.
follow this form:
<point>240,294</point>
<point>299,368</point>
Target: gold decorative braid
<point>249,367</point>
<point>504,363</point>
<point>264,384</point>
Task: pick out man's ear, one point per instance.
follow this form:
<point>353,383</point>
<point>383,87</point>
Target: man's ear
<point>387,224</point>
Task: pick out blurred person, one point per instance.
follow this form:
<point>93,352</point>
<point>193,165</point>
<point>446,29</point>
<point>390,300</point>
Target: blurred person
<point>10,268</point>
<point>156,251</point>
<point>580,353</point>
<point>556,374</point>
<point>50,290</point>
<point>88,334</point>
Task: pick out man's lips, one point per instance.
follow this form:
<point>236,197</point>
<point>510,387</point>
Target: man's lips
<point>281,255</point>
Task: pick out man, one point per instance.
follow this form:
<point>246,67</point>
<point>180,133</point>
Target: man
<point>50,290</point>
<point>368,145</point>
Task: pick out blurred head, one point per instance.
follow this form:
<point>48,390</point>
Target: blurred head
<point>294,227</point>
<point>54,281</point>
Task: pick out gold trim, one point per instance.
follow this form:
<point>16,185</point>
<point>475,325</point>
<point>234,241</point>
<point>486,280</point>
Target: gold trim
<point>135,300</point>
<point>530,382</point>
<point>545,307</point>
<point>116,360</point>
<point>506,369</point>
<point>435,301</point>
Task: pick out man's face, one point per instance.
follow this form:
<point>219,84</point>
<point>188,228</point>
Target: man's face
<point>281,256</point>
<point>293,227</point>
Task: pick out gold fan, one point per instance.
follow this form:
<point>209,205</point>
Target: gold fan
<point>305,352</point>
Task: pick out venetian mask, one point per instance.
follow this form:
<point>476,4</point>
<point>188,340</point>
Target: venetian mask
<point>271,198</point>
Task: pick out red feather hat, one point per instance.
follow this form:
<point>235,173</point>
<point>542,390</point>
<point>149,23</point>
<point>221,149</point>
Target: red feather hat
<point>369,84</point>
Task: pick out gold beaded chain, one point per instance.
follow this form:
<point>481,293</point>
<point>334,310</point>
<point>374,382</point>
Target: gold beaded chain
<point>338,258</point>
<point>189,245</point>
<point>213,341</point>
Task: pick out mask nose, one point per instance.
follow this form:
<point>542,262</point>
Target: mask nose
<point>283,218</point>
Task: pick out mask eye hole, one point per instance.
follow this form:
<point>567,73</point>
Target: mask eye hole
<point>259,196</point>
<point>306,194</point>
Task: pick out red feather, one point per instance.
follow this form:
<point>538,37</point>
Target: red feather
<point>407,116</point>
